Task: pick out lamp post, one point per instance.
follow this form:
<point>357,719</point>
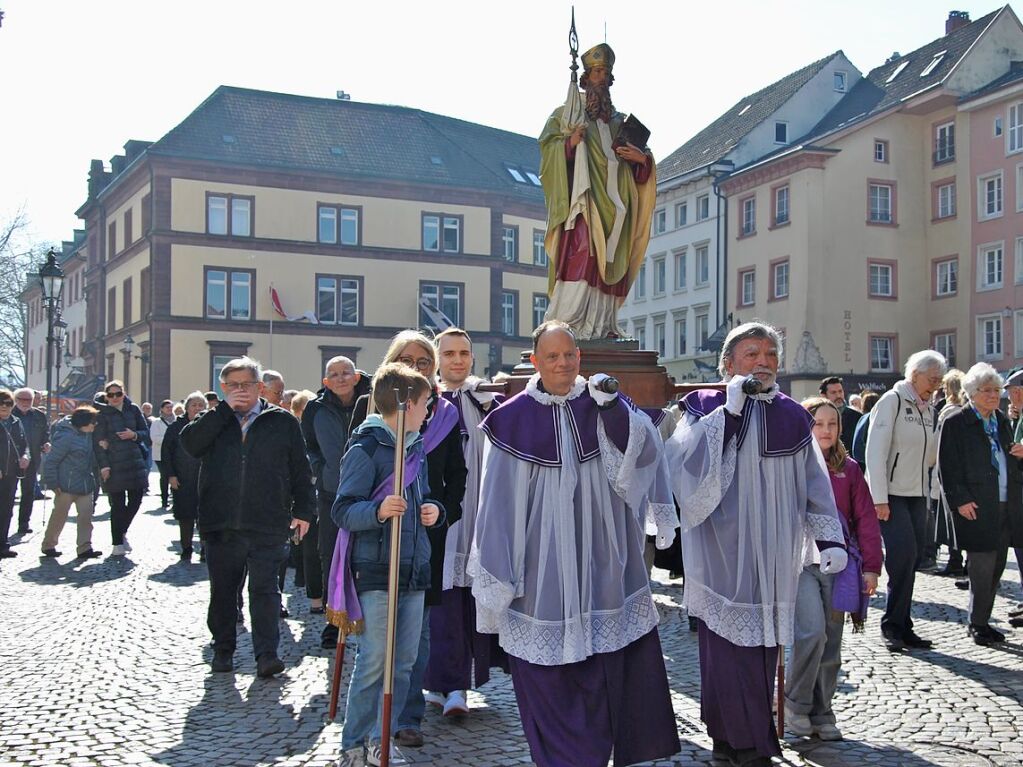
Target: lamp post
<point>51,282</point>
<point>59,334</point>
<point>127,347</point>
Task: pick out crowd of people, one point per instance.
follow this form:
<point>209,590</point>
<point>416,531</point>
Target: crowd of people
<point>530,525</point>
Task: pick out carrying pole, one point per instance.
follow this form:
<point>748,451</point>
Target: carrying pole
<point>392,584</point>
<point>781,692</point>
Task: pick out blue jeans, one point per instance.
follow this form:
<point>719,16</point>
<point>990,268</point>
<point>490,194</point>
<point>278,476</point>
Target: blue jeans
<point>411,716</point>
<point>363,712</point>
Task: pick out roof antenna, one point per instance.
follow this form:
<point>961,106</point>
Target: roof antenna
<point>605,30</point>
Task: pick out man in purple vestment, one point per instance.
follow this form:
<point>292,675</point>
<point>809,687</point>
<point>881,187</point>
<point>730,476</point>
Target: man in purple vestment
<point>755,497</point>
<point>571,477</point>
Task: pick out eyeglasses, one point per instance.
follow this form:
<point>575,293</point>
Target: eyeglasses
<point>6,404</point>
<point>990,390</point>
<point>238,385</point>
<point>422,363</point>
<point>115,394</point>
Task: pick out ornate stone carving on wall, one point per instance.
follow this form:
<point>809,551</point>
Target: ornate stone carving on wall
<point>808,357</point>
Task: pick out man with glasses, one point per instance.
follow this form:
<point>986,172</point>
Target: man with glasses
<point>255,487</point>
<point>273,387</point>
<point>37,432</point>
<point>13,463</point>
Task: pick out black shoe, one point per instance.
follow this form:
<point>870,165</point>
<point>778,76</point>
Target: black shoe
<point>1016,622</point>
<point>268,665</point>
<point>25,530</point>
<point>996,636</point>
<point>223,661</point>
<point>186,555</point>
<point>980,636</point>
<point>892,642</point>
<point>284,612</point>
<point>963,584</point>
<point>722,754</point>
<point>90,554</point>
<point>328,637</point>
<point>318,610</point>
<point>693,625</point>
<point>51,553</point>
<point>927,565</point>
<point>917,643</point>
<point>749,757</point>
<point>951,571</point>
<point>7,554</point>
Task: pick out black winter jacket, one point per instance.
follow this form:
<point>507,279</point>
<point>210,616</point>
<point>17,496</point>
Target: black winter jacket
<point>968,474</point>
<point>33,422</point>
<point>179,463</point>
<point>13,445</point>
<point>127,459</point>
<point>257,485</point>
<point>447,475</point>
<point>326,426</point>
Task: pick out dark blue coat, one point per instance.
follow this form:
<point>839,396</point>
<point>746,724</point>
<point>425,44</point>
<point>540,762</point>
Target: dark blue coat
<point>127,459</point>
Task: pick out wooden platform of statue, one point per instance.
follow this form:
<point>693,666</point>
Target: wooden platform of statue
<point>646,382</point>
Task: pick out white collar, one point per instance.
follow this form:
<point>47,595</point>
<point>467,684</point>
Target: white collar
<point>533,390</point>
<point>468,385</point>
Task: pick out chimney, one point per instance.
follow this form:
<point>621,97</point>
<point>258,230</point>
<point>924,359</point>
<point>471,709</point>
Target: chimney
<point>956,20</point>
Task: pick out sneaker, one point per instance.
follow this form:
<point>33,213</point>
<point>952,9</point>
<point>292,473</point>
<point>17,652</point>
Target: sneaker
<point>456,705</point>
<point>118,551</point>
<point>828,731</point>
<point>437,699</point>
<point>127,546</point>
<point>51,553</point>
<point>373,755</point>
<point>352,757</point>
<point>798,724</point>
<point>409,737</point>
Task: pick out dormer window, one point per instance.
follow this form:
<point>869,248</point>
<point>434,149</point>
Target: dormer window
<point>781,133</point>
<point>934,63</point>
<point>840,81</point>
<point>897,71</point>
<point>514,173</point>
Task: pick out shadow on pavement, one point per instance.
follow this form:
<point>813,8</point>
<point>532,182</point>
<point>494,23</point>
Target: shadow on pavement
<point>78,573</point>
<point>1007,683</point>
<point>181,574</point>
<point>851,753</point>
<point>224,728</point>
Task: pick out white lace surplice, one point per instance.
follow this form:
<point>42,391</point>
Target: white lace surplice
<point>557,556</point>
<point>746,521</point>
<point>459,537</point>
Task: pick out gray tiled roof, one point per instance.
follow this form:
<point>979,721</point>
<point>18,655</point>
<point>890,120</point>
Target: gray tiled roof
<point>875,94</point>
<point>721,136</point>
<point>352,139</point>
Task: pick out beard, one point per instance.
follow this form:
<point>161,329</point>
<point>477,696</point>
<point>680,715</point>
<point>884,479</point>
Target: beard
<point>598,103</point>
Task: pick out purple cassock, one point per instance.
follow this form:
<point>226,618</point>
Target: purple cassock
<point>460,656</point>
<point>567,491</point>
<point>755,494</point>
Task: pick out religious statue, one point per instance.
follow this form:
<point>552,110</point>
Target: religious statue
<point>599,183</point>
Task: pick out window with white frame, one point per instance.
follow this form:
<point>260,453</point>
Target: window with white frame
<point>702,265</point>
<point>945,142</point>
<point>660,221</point>
<point>337,225</point>
<point>660,276</point>
<point>641,332</point>
<point>681,337</point>
<point>947,200</point>
<point>989,337</point>
<point>703,207</point>
<point>882,354</point>
<point>840,81</point>
<point>539,249</point>
<point>659,339</point>
<point>881,280</point>
<point>510,243</point>
<point>946,278</point>
<point>781,279</point>
<point>945,345</point>
<point>702,320</point>
<point>540,303</point>
<point>228,294</point>
<point>880,151</point>
<point>1018,332</point>
<point>680,270</point>
<point>442,233</point>
<point>1019,261</point>
<point>933,64</point>
<point>990,267</point>
<point>443,297</point>
<point>337,300</point>
<point>748,287</point>
<point>989,195</point>
<point>509,313</point>
<point>749,216</point>
<point>229,215</point>
<point>997,128</point>
<point>1014,137</point>
<point>781,205</point>
<point>681,214</point>
<point>881,203</point>
<point>639,289</point>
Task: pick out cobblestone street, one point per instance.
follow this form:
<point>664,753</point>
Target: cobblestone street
<point>106,663</point>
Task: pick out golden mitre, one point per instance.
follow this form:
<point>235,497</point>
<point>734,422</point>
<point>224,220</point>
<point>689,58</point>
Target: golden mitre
<point>599,56</point>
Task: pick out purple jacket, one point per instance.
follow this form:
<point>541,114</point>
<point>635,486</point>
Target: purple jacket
<point>852,496</point>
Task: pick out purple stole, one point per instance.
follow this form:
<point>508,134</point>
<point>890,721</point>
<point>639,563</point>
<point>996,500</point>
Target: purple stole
<point>847,586</point>
<point>343,607</point>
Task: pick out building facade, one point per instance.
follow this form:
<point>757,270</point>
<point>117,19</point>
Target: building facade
<point>363,220</point>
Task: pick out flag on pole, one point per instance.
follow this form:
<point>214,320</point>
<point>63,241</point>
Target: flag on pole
<point>440,320</point>
<point>275,302</point>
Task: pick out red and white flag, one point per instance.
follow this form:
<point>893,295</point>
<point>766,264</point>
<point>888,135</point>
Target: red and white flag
<point>275,302</point>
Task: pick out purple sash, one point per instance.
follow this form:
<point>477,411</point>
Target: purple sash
<point>847,586</point>
<point>343,608</point>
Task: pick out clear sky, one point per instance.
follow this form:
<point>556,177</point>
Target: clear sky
<point>78,79</point>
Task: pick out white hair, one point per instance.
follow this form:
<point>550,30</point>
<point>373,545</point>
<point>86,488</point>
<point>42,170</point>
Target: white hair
<point>24,390</point>
<point>920,362</point>
<point>198,396</point>
<point>739,333</point>
<point>272,375</point>
<point>980,375</point>
<point>242,363</point>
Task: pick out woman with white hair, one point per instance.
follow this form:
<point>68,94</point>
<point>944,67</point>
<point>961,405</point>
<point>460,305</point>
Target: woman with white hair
<point>901,449</point>
<point>982,482</point>
<point>183,473</point>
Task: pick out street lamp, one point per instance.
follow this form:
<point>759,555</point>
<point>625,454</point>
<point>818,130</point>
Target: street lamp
<point>51,282</point>
<point>59,334</point>
<point>128,346</point>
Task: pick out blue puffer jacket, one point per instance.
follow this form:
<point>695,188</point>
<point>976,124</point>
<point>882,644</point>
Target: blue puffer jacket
<point>71,463</point>
<point>368,461</point>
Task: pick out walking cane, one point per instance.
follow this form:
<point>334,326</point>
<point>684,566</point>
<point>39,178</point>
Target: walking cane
<point>392,583</point>
<point>335,680</point>
<point>781,692</point>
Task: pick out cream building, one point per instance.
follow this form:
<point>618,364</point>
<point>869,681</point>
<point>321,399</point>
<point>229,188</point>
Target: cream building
<point>364,219</point>
<point>874,257</point>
